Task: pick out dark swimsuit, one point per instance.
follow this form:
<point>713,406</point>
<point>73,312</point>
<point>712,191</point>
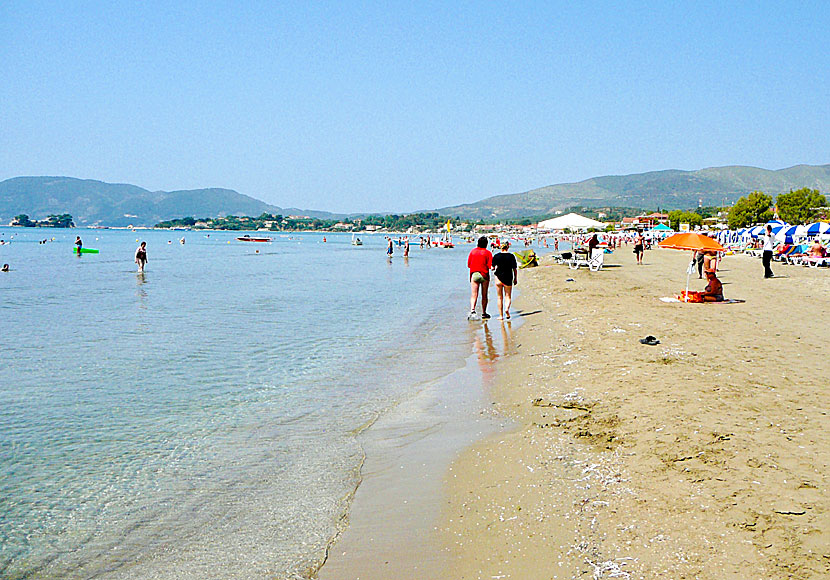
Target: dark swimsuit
<point>504,263</point>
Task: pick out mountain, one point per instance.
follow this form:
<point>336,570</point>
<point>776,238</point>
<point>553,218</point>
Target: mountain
<point>670,189</point>
<point>118,204</point>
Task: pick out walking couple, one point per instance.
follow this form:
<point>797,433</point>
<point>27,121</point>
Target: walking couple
<point>480,262</point>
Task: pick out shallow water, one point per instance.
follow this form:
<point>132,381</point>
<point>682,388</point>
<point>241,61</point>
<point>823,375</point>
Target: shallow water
<point>200,420</point>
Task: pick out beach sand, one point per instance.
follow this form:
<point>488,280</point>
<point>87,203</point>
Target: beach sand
<point>705,456</point>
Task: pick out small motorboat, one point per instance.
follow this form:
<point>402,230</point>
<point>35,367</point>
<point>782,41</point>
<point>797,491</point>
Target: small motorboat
<point>247,238</point>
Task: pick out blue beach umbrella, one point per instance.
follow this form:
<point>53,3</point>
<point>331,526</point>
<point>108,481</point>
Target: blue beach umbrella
<point>789,233</point>
<point>818,228</point>
<point>755,231</point>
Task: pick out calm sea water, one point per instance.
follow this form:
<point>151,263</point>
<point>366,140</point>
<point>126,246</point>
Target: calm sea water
<point>201,419</point>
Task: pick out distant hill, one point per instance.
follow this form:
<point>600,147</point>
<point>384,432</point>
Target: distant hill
<point>117,204</point>
<point>671,189</point>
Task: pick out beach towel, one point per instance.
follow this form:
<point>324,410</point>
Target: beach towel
<point>680,300</point>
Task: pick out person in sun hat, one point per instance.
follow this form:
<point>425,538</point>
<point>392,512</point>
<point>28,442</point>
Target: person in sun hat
<point>714,289</point>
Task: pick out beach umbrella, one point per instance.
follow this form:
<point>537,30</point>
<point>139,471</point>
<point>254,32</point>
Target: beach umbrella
<point>756,231</point>
<point>694,242</point>
<point>817,228</point>
<point>788,234</point>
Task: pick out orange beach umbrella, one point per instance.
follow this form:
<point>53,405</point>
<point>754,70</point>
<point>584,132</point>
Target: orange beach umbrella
<point>694,242</point>
<point>691,241</point>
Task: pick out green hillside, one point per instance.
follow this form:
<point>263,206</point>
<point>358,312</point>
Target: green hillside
<point>93,202</point>
<point>670,189</point>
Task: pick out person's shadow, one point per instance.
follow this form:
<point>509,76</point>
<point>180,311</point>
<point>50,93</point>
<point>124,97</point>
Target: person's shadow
<point>531,313</point>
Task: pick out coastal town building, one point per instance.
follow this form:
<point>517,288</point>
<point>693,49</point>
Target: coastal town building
<point>645,221</point>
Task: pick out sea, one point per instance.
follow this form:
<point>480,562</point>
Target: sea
<point>203,418</point>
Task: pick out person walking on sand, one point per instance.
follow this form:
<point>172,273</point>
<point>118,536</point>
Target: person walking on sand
<point>479,262</point>
<point>638,247</point>
<point>767,256</point>
<point>507,276</point>
<point>141,256</point>
<point>697,258</point>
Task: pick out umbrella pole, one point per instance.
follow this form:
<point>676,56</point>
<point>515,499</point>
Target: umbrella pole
<point>688,273</point>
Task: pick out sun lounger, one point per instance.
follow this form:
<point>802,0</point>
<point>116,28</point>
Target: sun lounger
<point>815,261</point>
<point>562,257</point>
<point>794,259</point>
<point>593,263</point>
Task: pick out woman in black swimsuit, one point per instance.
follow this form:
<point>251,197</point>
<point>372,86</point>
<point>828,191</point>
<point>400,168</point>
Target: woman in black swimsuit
<point>506,269</point>
<point>141,256</point>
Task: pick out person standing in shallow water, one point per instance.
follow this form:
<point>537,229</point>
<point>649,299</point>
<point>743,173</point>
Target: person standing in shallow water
<point>78,244</point>
<point>479,262</point>
<point>141,256</point>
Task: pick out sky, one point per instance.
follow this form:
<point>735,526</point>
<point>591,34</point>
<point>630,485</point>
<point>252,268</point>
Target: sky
<point>404,106</point>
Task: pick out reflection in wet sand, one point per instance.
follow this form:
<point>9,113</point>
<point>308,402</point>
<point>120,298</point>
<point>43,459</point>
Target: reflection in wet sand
<point>488,349</point>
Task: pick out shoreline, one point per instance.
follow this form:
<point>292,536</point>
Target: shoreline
<point>703,457</point>
<point>397,507</point>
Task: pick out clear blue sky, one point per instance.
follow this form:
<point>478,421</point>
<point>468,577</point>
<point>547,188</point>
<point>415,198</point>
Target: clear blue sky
<point>388,106</point>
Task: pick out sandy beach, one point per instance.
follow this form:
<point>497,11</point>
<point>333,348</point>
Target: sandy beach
<point>705,456</point>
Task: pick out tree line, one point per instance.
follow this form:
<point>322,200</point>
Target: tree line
<point>63,220</point>
<point>394,222</point>
<point>796,207</point>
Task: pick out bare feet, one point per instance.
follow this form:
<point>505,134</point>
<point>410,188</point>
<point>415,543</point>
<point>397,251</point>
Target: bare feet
<point>507,315</point>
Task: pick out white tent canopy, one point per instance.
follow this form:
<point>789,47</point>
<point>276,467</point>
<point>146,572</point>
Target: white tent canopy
<point>571,221</point>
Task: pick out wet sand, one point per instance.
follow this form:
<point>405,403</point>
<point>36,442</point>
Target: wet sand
<point>392,522</point>
<point>705,456</point>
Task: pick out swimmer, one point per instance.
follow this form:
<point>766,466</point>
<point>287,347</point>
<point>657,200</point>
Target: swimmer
<point>5,268</point>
